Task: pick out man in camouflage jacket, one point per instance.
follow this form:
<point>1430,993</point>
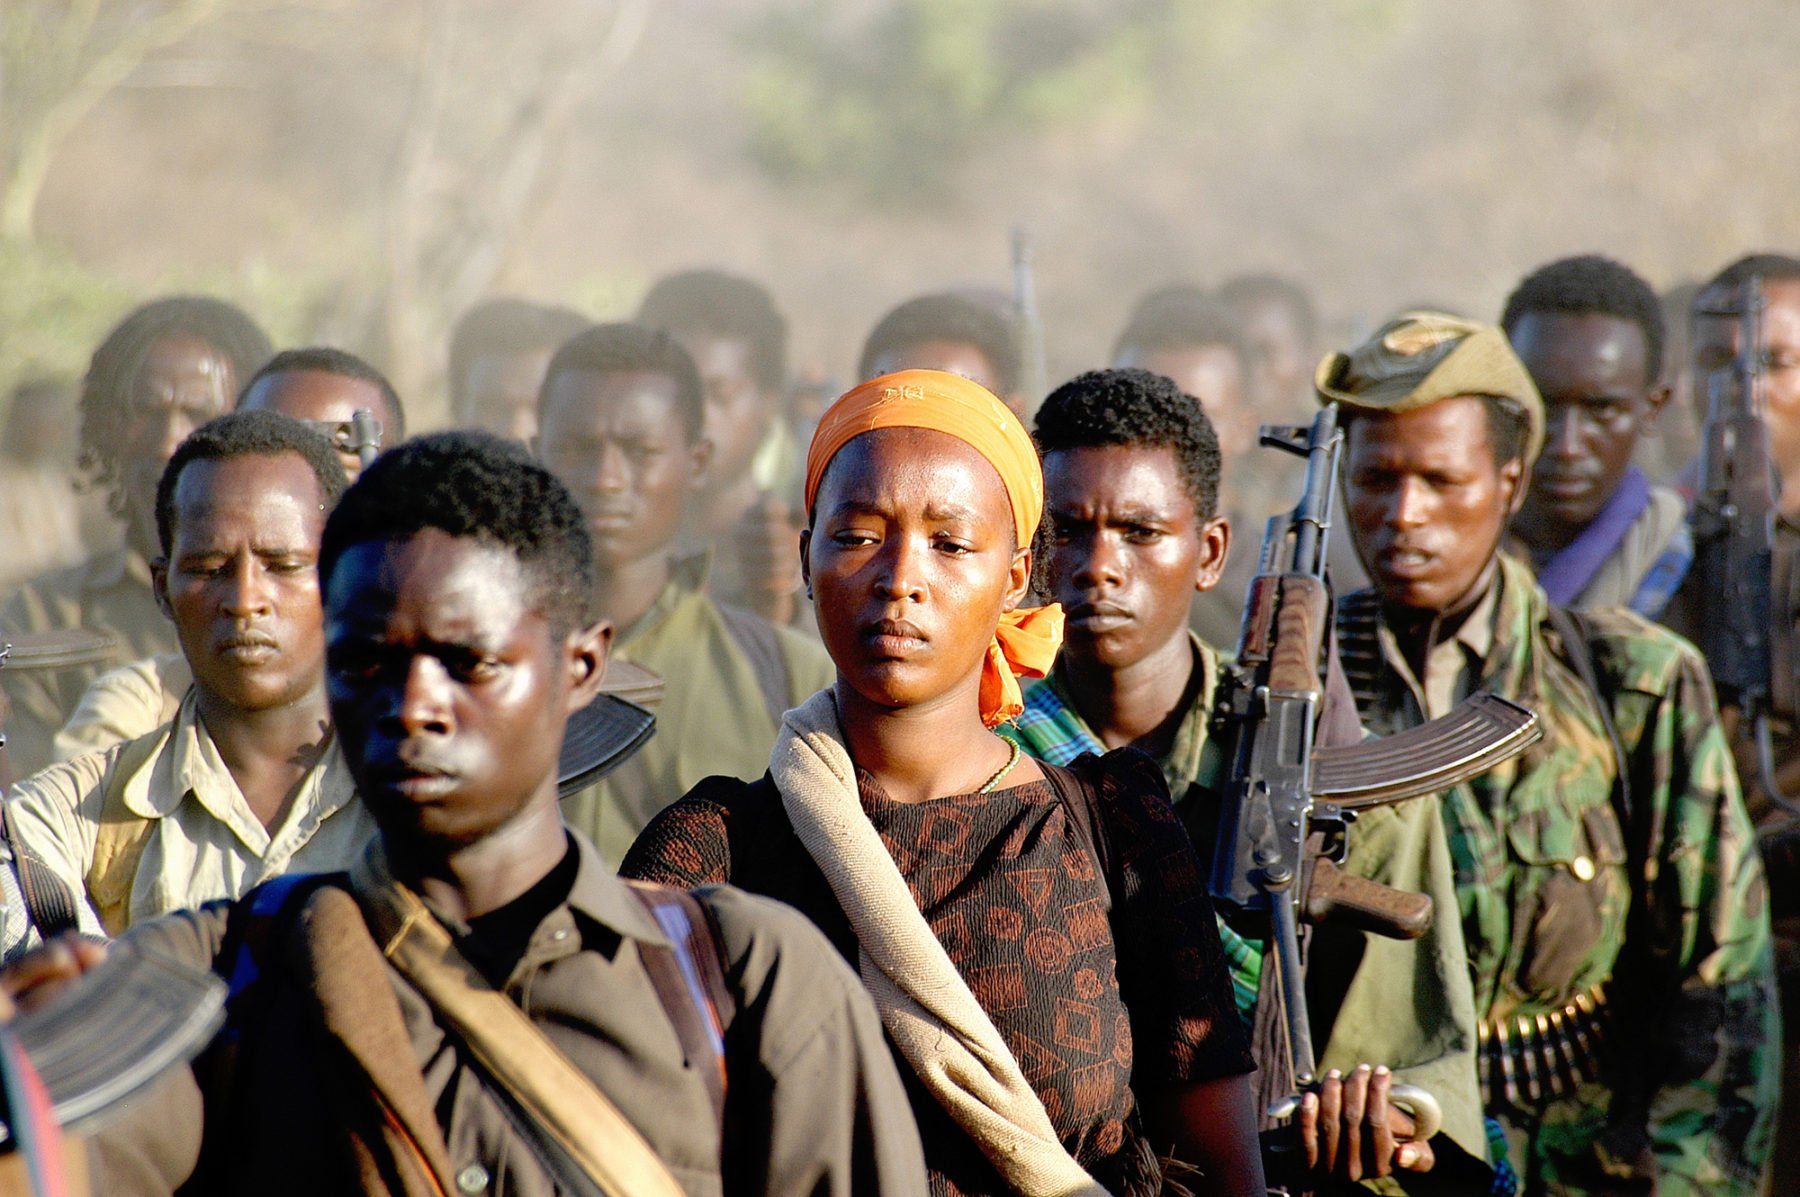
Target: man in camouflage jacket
<point>1618,934</point>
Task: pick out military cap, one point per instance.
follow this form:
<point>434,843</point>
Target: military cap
<point>1418,358</point>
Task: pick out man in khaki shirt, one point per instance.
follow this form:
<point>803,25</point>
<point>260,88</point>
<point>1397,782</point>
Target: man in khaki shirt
<point>621,419</point>
<point>456,575</point>
<point>247,782</point>
<point>167,368</point>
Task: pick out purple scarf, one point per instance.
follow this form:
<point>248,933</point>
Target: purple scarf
<point>1567,574</point>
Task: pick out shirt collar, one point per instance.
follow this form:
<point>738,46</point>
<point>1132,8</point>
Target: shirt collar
<point>601,895</point>
<point>189,764</point>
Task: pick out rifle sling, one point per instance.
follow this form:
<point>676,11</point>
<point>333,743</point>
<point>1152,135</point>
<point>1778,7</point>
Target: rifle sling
<point>49,904</point>
<point>561,1102</point>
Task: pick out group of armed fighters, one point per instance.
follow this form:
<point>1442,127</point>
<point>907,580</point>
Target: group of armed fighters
<point>1218,773</point>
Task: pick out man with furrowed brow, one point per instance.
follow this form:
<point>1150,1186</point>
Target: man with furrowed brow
<point>476,1006</point>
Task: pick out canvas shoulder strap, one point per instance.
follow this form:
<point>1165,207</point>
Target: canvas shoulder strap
<point>757,639</point>
<point>566,1110</point>
<point>122,837</point>
<point>689,978</point>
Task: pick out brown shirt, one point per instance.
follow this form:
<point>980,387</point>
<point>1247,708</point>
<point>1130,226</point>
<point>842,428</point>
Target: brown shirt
<point>1104,987</point>
<point>813,1106</point>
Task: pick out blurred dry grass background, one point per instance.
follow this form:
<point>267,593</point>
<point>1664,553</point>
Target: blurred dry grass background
<point>358,170</point>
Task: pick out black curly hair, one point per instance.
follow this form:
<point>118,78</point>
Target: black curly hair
<point>711,303</point>
<point>1590,283</point>
<point>247,434</point>
<point>325,359</point>
<point>630,349</point>
<point>946,316</point>
<point>1139,409</point>
<point>475,485</point>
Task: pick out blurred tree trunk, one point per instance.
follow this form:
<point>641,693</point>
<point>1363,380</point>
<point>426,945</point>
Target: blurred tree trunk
<point>58,59</point>
<point>455,208</point>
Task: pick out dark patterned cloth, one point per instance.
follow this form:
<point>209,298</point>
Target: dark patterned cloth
<point>1013,891</point>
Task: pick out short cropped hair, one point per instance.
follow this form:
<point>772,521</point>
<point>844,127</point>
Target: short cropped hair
<point>106,389</point>
<point>506,325</point>
<point>1593,284</point>
<point>1248,289</point>
<point>1138,409</point>
<point>711,303</point>
<point>1767,266</point>
<point>481,487</point>
<point>946,316</point>
<point>1180,317</point>
<point>247,434</point>
<point>633,349</point>
<point>325,360</point>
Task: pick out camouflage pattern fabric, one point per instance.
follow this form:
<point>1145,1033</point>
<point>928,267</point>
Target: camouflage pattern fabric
<point>1557,893</point>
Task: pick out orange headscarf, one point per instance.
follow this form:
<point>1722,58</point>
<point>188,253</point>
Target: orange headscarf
<point>1026,641</point>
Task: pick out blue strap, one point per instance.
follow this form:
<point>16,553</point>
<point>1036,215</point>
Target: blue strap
<point>265,902</point>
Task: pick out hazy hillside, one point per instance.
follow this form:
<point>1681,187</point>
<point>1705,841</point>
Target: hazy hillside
<point>1389,150</point>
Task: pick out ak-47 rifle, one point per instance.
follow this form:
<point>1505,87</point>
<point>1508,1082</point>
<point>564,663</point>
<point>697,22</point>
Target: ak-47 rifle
<point>1034,378</point>
<point>1287,806</point>
<point>72,1064</point>
<point>1747,634</point>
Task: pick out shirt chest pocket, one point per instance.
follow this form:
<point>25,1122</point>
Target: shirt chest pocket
<point>1570,891</point>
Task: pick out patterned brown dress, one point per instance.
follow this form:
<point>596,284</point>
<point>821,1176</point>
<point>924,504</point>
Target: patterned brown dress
<point>1099,985</point>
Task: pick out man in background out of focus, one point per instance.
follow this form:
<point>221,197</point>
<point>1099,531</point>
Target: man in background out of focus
<point>743,527</point>
<point>952,332</point>
<point>1279,331</point>
<point>168,367</point>
<point>498,351</point>
<point>40,523</point>
<point>1597,531</point>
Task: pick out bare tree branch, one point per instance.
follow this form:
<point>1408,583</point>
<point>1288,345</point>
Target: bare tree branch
<point>94,71</point>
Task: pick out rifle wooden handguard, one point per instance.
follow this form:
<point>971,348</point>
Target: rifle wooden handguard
<point>1339,897</point>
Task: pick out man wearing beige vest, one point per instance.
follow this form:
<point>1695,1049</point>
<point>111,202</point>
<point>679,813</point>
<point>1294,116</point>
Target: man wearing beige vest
<point>246,782</point>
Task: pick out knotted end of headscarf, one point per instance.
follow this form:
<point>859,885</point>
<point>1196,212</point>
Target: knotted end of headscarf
<point>1024,645</point>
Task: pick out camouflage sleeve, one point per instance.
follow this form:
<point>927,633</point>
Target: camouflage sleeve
<point>1713,1094</point>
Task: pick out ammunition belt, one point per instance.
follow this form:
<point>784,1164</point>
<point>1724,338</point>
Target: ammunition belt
<point>1528,1059</point>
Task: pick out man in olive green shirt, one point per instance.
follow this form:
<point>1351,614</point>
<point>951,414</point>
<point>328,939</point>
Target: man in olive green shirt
<point>620,419</point>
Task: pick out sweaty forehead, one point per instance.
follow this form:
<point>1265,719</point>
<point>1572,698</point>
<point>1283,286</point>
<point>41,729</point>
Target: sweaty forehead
<point>917,469</point>
<point>275,489</point>
<point>182,358</point>
<point>1120,479</point>
<point>435,585</point>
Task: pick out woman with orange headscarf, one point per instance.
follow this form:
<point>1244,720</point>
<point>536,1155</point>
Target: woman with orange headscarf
<point>1036,939</point>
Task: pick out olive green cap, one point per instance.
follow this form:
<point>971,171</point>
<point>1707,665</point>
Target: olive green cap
<point>1418,358</point>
